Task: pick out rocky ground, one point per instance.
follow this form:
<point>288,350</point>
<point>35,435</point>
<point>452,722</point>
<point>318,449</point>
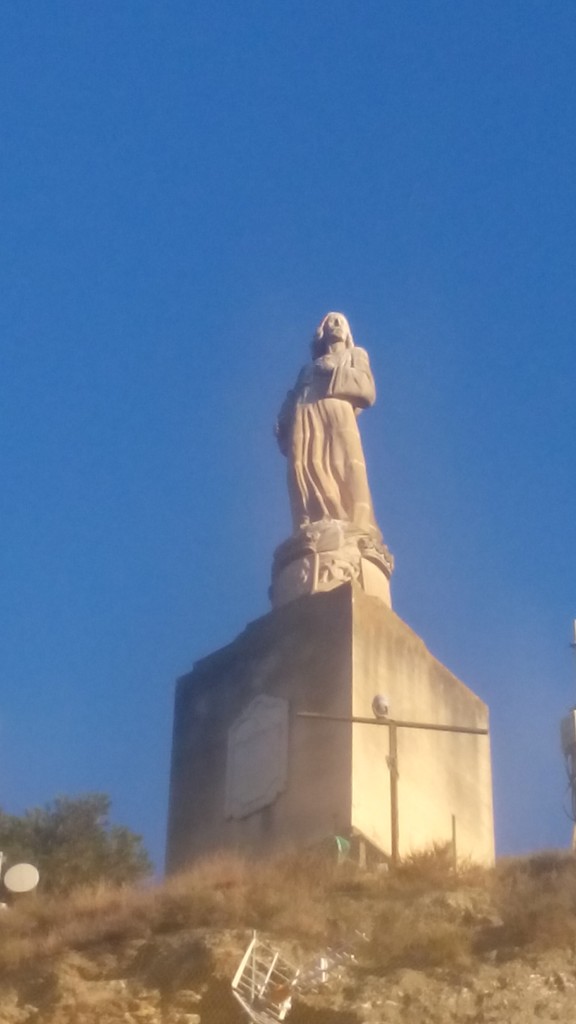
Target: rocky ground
<point>185,979</point>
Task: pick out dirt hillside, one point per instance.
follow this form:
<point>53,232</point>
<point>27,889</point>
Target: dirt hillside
<point>430,947</point>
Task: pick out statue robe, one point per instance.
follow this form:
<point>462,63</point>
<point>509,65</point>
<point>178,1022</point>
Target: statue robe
<point>318,432</point>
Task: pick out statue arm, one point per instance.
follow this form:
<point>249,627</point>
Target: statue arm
<point>354,381</point>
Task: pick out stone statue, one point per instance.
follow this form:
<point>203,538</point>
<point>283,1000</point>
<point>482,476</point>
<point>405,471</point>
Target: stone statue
<point>317,430</point>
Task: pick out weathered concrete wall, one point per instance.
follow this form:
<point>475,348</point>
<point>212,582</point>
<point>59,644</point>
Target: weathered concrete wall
<point>440,774</point>
<point>330,653</point>
<point>303,653</point>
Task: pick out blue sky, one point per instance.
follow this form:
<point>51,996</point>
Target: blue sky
<point>185,189</point>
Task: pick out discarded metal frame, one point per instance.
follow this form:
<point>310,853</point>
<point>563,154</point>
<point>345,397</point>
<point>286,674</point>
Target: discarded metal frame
<point>266,981</point>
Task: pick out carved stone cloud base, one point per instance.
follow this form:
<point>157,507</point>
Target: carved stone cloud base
<point>323,555</point>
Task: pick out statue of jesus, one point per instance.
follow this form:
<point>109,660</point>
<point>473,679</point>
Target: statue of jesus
<point>317,430</point>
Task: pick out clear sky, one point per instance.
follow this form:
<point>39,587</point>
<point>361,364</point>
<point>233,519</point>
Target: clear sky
<point>186,188</point>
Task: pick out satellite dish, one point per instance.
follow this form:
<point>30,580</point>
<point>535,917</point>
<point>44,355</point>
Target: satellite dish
<point>21,878</point>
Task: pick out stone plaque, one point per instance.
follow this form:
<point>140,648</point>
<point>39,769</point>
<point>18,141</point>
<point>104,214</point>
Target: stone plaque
<point>257,762</point>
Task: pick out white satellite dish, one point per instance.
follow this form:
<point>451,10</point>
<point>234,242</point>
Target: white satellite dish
<point>21,878</point>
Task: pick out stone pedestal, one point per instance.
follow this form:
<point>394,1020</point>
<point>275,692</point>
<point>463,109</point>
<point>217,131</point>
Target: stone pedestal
<point>248,773</point>
<point>323,555</point>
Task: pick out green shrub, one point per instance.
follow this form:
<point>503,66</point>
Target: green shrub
<point>72,843</point>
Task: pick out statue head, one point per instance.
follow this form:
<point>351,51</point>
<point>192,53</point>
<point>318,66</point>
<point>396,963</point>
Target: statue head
<point>333,329</point>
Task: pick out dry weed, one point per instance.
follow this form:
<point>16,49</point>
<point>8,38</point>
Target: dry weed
<point>311,899</point>
<point>536,900</point>
<point>224,891</point>
<point>434,868</point>
<point>404,937</point>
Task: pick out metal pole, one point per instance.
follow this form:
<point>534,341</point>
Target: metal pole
<point>394,817</point>
<point>356,720</point>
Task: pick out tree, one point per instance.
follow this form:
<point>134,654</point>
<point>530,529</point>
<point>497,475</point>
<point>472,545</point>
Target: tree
<point>71,842</point>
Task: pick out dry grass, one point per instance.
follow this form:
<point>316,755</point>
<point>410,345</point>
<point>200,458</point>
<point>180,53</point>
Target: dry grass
<point>421,915</point>
<point>404,937</point>
<point>434,868</point>
<point>412,930</point>
<point>536,900</point>
<point>225,891</point>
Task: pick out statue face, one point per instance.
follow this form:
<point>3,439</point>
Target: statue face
<point>332,335</point>
<point>335,328</point>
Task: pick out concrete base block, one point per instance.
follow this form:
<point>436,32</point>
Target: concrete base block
<point>249,773</point>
